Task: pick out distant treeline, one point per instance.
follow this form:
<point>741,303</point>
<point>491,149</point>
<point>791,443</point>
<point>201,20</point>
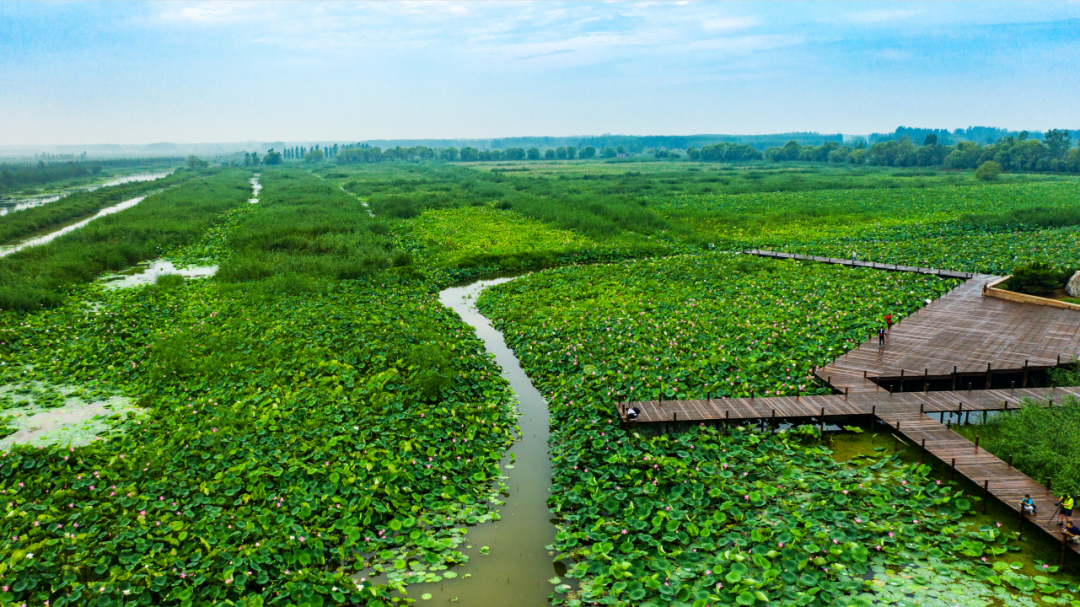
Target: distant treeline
<point>1053,153</point>
<point>14,176</point>
<point>978,134</point>
<point>634,144</point>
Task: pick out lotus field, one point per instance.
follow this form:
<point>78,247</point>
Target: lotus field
<point>703,518</point>
<point>312,413</point>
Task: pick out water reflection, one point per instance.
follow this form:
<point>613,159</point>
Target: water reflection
<point>148,272</point>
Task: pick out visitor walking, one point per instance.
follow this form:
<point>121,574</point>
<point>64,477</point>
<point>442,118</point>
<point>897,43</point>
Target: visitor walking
<point>1066,504</point>
<point>880,338</point>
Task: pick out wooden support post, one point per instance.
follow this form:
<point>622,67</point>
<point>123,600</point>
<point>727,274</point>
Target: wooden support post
<point>977,443</point>
<point>1048,483</point>
<point>901,381</point>
<point>1061,561</point>
<point>922,453</point>
<point>1025,373</point>
<point>823,419</point>
<point>845,393</point>
<point>890,389</point>
<point>751,394</point>
<point>926,381</point>
<point>1010,460</point>
<point>1020,526</point>
<point>952,469</point>
<point>954,378</point>
<point>986,494</point>
<point>774,420</point>
<point>1012,386</point>
<point>969,387</point>
<point>798,393</point>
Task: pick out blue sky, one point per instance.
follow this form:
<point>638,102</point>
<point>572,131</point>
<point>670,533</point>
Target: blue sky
<point>74,73</point>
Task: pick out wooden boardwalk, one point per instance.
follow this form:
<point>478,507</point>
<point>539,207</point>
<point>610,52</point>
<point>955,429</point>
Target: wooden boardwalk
<point>962,337</point>
<point>891,267</point>
<point>965,334</point>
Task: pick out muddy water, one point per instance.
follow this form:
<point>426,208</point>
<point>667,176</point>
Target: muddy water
<point>517,570</point>
<point>116,208</point>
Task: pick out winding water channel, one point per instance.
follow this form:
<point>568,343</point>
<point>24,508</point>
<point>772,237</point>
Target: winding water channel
<point>519,566</point>
<point>33,242</point>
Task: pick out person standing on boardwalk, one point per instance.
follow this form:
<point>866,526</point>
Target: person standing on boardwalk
<point>1066,504</point>
<point>880,338</point>
<point>888,323</point>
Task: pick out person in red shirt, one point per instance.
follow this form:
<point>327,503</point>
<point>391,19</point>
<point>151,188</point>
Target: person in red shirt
<point>888,323</point>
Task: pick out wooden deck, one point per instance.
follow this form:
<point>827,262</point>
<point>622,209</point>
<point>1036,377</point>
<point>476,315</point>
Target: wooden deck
<point>961,337</point>
<point>966,334</point>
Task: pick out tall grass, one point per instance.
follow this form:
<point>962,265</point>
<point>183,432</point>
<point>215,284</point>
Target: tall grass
<point>305,229</point>
<point>22,224</point>
<point>36,277</point>
<point>1043,441</point>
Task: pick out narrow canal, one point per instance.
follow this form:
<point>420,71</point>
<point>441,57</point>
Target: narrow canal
<point>517,570</point>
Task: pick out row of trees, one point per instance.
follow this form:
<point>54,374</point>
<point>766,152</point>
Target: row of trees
<point>365,153</point>
<point>314,154</point>
<point>1054,153</point>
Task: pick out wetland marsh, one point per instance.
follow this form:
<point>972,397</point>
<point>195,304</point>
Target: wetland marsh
<point>332,416</point>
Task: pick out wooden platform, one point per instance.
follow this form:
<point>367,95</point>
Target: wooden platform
<point>963,333</point>
<point>962,336</point>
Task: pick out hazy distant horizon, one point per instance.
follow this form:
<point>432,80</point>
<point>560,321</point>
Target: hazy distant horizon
<point>237,72</point>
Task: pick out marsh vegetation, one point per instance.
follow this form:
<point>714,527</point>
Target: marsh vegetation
<point>313,413</point>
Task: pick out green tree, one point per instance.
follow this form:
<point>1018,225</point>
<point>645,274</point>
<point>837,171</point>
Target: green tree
<point>549,154</point>
<point>450,154</point>
<point>608,152</point>
<point>533,153</point>
<point>469,154</point>
<point>620,150</point>
<point>588,152</point>
<point>571,152</point>
<point>193,162</point>
<point>315,155</point>
<point>272,158</point>
<point>560,153</point>
<point>515,154</point>
<point>988,171</point>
